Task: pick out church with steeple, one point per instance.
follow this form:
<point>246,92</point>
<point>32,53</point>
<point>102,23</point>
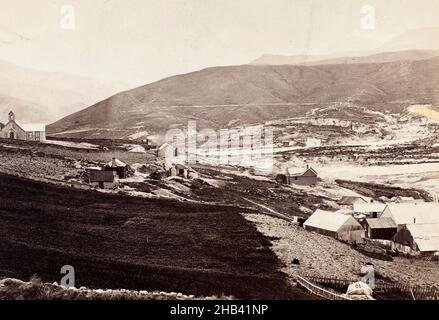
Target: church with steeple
<point>14,130</point>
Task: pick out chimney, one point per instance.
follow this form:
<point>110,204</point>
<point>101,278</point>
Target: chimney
<point>307,166</point>
<point>414,220</point>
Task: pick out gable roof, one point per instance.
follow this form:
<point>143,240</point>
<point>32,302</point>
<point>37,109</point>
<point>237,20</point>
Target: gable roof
<point>369,207</point>
<point>32,127</point>
<point>351,200</point>
<point>166,145</point>
<point>114,163</point>
<point>16,123</point>
<point>102,176</point>
<point>381,223</point>
<point>327,220</point>
<point>308,172</point>
<point>29,127</point>
<point>408,213</point>
<point>426,236</point>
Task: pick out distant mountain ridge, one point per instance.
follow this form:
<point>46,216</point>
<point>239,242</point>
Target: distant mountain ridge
<point>47,96</point>
<point>309,60</point>
<point>218,96</point>
<point>416,44</point>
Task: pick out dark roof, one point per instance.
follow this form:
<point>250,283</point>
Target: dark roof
<point>381,223</point>
<point>350,200</point>
<point>307,172</point>
<point>1,125</point>
<point>101,176</point>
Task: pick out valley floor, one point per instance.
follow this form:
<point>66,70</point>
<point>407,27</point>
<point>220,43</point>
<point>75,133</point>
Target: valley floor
<point>227,233</point>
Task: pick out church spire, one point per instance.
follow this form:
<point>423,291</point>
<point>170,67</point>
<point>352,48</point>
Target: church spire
<point>11,116</point>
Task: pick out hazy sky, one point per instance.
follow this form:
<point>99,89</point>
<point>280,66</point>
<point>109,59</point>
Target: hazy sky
<point>139,41</point>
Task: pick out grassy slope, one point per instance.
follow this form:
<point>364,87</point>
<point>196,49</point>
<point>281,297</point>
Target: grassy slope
<point>121,242</point>
<point>246,90</point>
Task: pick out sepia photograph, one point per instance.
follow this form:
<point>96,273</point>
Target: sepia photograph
<point>217,156</point>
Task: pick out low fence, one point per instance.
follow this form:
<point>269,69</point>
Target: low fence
<point>381,287</point>
<point>316,290</point>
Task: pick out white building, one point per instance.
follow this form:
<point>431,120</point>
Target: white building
<point>412,213</point>
<point>337,225</point>
<point>15,130</point>
<point>166,151</point>
<point>420,237</point>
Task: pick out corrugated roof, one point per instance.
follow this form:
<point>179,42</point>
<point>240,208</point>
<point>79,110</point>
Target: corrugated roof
<point>407,213</point>
<point>381,223</point>
<point>426,236</point>
<point>327,220</point>
<point>369,207</point>
<point>102,176</point>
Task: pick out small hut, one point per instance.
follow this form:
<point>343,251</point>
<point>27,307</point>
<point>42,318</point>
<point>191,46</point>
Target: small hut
<point>117,166</point>
<point>380,228</point>
<point>104,179</point>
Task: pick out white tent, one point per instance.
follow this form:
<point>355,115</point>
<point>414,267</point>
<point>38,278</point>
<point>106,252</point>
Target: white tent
<point>425,236</point>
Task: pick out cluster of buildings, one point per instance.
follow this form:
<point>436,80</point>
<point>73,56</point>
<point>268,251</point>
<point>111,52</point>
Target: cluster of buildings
<point>404,224</point>
<point>172,167</point>
<point>108,176</point>
<point>15,130</point>
<point>409,227</point>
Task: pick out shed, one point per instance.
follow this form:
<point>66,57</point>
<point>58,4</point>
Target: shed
<point>118,166</point>
<point>180,170</point>
<point>104,179</point>
<point>422,237</point>
<point>337,225</point>
<point>380,228</point>
<point>412,213</point>
<point>307,178</point>
<point>351,200</point>
<point>373,209</point>
<point>284,176</point>
<point>166,151</point>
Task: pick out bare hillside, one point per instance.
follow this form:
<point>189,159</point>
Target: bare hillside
<point>48,95</point>
<point>252,94</point>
